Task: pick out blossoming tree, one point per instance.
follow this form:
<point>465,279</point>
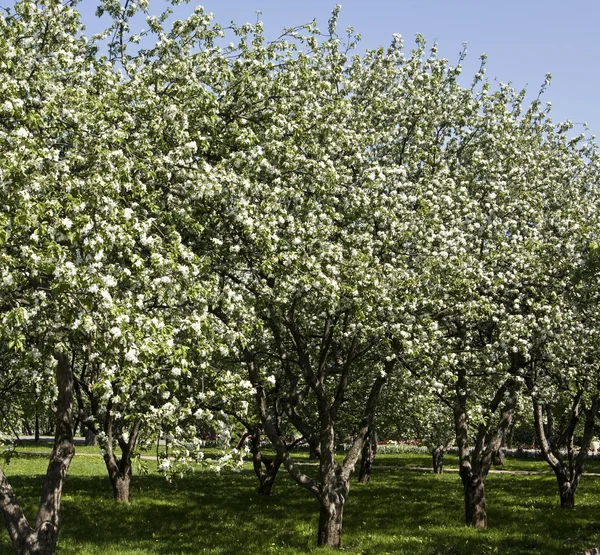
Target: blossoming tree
<point>315,217</point>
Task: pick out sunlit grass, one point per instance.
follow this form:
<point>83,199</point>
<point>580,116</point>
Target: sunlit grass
<point>400,511</point>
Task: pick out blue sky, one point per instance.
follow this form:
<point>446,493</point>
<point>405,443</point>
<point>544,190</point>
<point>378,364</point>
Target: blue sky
<point>524,39</point>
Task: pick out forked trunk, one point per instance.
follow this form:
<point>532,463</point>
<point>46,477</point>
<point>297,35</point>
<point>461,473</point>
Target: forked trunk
<point>265,468</point>
<point>437,456</point>
<point>333,487</point>
<point>267,477</point>
<point>42,542</point>
<point>120,468</point>
<point>120,472</point>
<point>475,463</point>
<point>567,471</point>
<point>41,539</point>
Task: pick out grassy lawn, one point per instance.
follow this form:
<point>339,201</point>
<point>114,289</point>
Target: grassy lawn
<point>451,462</point>
<point>400,511</point>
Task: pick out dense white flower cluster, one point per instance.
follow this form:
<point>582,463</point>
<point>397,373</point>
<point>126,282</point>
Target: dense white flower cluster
<point>208,228</point>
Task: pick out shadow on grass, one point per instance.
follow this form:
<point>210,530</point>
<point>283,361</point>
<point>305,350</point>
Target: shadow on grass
<point>203,513</point>
<point>398,512</point>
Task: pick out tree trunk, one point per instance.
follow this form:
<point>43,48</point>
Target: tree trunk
<point>335,486</point>
<point>566,491</point>
<point>330,520</point>
<point>498,458</point>
<point>267,478</point>
<point>90,438</point>
<point>265,468</point>
<point>332,490</point>
<point>37,425</point>
<point>121,487</point>
<point>120,472</point>
<point>476,463</point>
<point>475,510</point>
<point>567,472</point>
<point>369,451</point>
<point>437,456</point>
<point>42,539</point>
<point>119,468</point>
<point>313,454</point>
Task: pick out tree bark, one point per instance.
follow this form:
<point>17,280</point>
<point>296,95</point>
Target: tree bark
<point>267,479</point>
<point>120,468</point>
<point>569,471</point>
<point>369,451</point>
<point>498,458</point>
<point>121,487</point>
<point>37,425</point>
<point>566,491</point>
<point>90,438</point>
<point>265,468</point>
<point>120,472</point>
<point>313,454</point>
<point>330,518</point>
<point>437,456</point>
<point>475,464</point>
<point>333,487</point>
<point>473,484</point>
<point>42,539</point>
<point>475,509</point>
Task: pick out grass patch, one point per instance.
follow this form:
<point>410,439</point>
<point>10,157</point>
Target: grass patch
<point>451,462</point>
<point>399,512</point>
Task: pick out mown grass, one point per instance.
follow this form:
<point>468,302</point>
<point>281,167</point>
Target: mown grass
<point>400,512</point>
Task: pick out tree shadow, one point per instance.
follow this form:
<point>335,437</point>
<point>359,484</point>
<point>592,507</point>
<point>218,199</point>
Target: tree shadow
<point>398,512</point>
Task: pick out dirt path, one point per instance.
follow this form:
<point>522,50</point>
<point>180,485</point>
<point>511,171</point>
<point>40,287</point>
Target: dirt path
<point>492,471</point>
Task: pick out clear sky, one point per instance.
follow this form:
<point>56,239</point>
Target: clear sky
<point>524,39</point>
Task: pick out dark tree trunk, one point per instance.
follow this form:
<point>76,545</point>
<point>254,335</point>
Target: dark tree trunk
<point>475,463</point>
<point>265,468</point>
<point>119,468</point>
<point>42,539</point>
<point>333,495</point>
<point>333,487</point>
<point>475,510</point>
<point>267,479</point>
<point>120,472</point>
<point>37,425</point>
<point>369,451</point>
<point>330,521</point>
<point>498,458</point>
<point>569,471</point>
<point>437,456</point>
<point>90,438</point>
<point>566,492</point>
<point>121,486</point>
<point>313,454</point>
<point>473,484</point>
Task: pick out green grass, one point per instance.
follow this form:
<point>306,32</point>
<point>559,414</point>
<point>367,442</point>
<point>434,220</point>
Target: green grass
<point>399,512</point>
<point>451,462</point>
